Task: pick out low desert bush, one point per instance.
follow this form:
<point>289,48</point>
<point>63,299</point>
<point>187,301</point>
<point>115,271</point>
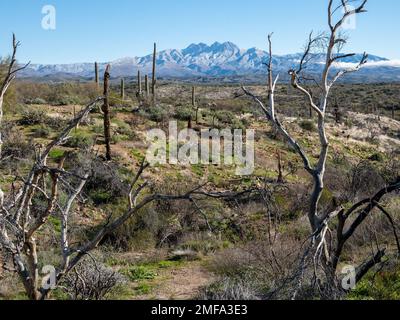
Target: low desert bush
<point>91,280</point>
<point>308,125</point>
<point>16,147</point>
<point>80,139</point>
<point>157,113</point>
<point>184,113</point>
<point>41,131</point>
<point>32,116</point>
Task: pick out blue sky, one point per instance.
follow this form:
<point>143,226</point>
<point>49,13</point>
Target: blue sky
<point>104,30</point>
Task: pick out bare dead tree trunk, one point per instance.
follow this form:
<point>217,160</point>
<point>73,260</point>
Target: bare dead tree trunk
<point>106,114</point>
<point>12,71</point>
<point>319,221</point>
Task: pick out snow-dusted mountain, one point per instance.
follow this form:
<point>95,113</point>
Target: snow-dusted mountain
<point>216,60</point>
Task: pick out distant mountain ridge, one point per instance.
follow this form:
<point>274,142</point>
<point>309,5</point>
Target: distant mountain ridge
<point>219,60</point>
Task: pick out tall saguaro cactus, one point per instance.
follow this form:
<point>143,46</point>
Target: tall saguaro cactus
<point>153,84</point>
<point>139,84</point>
<point>96,73</point>
<point>122,89</point>
<point>146,86</point>
<point>106,113</point>
<point>193,96</point>
<point>194,104</point>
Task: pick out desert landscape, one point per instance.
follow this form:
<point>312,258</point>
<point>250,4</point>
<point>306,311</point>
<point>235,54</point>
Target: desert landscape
<point>84,216</point>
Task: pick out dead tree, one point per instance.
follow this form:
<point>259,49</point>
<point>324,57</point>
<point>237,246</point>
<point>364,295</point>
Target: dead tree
<point>317,172</point>
<point>319,221</point>
<point>106,113</point>
<point>10,75</point>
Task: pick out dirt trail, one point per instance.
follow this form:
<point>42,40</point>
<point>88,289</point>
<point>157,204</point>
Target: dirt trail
<point>182,283</point>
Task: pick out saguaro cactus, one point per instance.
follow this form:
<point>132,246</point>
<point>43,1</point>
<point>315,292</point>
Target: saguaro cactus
<point>146,85</point>
<point>139,79</point>
<point>193,96</point>
<point>106,113</point>
<point>122,89</point>
<point>194,104</point>
<point>153,84</point>
<point>280,167</point>
<point>96,73</point>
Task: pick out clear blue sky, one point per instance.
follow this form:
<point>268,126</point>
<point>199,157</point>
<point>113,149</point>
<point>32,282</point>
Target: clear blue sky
<point>104,30</point>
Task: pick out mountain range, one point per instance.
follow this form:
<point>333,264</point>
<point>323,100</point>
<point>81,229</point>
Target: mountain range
<point>219,60</point>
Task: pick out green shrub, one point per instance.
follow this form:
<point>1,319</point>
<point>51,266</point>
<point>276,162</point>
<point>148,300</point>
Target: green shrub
<point>41,132</point>
<point>56,154</point>
<point>37,101</point>
<point>56,223</point>
<point>80,139</point>
<point>204,246</point>
<point>184,113</point>
<point>308,125</point>
<point>32,116</point>
<point>55,123</point>
<point>226,117</point>
<point>68,100</point>
<point>143,288</point>
<point>384,285</point>
<point>123,128</point>
<point>156,113</point>
<point>137,273</point>
<point>377,157</point>
<point>100,197</point>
